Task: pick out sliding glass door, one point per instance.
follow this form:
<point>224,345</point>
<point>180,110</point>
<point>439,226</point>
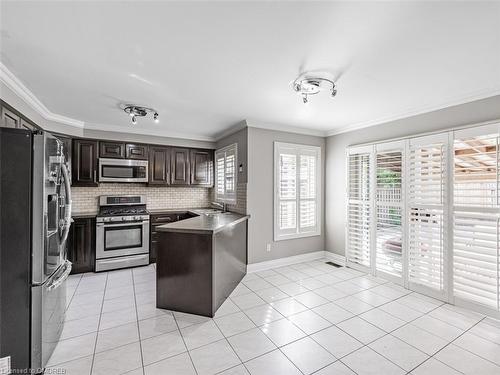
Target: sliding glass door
<point>427,195</point>
<point>476,214</point>
<point>359,207</point>
<point>389,208</point>
<point>425,213</point>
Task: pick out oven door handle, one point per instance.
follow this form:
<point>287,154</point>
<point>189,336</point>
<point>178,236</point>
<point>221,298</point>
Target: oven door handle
<point>128,223</point>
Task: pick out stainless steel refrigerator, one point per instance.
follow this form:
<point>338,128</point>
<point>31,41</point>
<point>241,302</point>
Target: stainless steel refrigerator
<point>35,217</point>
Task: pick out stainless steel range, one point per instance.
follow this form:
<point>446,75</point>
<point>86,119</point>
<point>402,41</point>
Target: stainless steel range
<point>122,232</point>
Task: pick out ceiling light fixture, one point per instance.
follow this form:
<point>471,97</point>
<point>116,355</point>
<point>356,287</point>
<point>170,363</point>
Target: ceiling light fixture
<point>310,84</point>
<point>137,111</point>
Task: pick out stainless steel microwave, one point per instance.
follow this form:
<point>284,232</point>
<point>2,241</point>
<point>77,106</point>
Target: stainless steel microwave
<point>123,170</point>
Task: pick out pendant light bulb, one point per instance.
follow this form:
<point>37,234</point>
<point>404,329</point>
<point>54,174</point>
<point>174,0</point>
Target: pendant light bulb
<point>304,98</point>
<point>134,120</point>
<point>155,117</point>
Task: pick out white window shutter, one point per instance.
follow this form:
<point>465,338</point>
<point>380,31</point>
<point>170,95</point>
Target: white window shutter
<point>476,215</point>
<point>226,160</point>
<point>297,192</point>
<point>359,208</point>
<point>426,199</point>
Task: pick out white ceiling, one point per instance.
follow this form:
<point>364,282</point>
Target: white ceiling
<point>206,66</point>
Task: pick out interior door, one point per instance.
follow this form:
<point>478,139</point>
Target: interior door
<point>389,250</point>
<point>427,216</point>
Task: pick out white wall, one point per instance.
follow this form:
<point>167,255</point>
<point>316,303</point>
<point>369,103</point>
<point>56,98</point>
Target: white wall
<point>461,115</point>
<point>260,197</point>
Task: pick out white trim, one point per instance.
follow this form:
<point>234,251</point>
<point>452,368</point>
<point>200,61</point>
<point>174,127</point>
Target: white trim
<point>335,258</point>
<point>231,130</point>
<point>286,261</point>
<point>285,128</point>
<point>417,135</point>
<point>416,112</point>
<point>13,83</point>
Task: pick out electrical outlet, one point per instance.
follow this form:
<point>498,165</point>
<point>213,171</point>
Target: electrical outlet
<point>268,247</point>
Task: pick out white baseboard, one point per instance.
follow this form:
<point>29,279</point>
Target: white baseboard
<point>280,262</point>
<point>335,258</point>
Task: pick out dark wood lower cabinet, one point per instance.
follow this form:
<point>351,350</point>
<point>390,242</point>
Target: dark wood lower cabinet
<point>81,245</point>
<point>160,219</point>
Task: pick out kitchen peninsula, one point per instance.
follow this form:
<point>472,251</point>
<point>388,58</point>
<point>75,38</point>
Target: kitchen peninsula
<point>200,261</point>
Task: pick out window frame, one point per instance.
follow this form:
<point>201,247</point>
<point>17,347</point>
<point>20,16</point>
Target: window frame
<point>298,150</point>
<point>226,197</point>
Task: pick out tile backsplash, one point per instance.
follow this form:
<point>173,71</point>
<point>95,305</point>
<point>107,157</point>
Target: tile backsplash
<point>85,199</point>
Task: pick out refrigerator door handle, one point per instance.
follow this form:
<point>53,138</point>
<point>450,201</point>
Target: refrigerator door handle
<point>67,206</point>
<point>62,277</point>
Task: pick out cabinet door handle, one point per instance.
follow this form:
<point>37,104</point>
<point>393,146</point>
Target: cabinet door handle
<point>95,175</point>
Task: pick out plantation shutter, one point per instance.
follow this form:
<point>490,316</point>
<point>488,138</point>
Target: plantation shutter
<point>476,213</point>
<point>307,191</point>
<point>389,207</point>
<point>359,165</point>
<point>426,202</point>
<point>297,198</point>
<point>225,171</point>
<point>288,191</point>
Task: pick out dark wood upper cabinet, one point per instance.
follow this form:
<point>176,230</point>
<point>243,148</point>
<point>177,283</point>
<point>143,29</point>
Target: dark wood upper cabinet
<point>10,119</point>
<point>134,151</point>
<point>111,149</point>
<point>26,125</point>
<point>84,162</point>
<point>179,166</point>
<point>159,165</point>
<point>202,167</point>
<point>81,245</point>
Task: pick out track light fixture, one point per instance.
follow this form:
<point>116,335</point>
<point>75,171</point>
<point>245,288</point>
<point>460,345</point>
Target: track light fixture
<point>137,111</point>
<point>310,84</point>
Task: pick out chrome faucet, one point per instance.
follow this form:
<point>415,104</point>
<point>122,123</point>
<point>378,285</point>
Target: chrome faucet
<point>222,206</point>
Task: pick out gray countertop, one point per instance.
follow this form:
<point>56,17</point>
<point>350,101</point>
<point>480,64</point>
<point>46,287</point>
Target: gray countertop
<point>203,224</point>
<point>83,214</point>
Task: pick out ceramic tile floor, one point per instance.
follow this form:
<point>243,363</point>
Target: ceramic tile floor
<point>301,319</point>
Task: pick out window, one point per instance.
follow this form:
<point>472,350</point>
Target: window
<point>226,160</point>
<point>297,180</point>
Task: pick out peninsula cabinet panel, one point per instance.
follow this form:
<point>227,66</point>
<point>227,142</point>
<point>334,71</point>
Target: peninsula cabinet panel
<point>134,151</point>
<point>111,150</point>
<point>159,165</point>
<point>202,167</point>
<point>81,245</point>
<point>84,162</point>
<point>180,166</point>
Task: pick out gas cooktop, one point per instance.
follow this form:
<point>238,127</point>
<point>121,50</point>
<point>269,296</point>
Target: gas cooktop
<point>121,211</point>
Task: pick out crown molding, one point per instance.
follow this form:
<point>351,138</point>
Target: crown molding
<point>147,132</point>
<point>485,94</point>
<point>285,128</point>
<point>13,83</point>
<point>231,130</point>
